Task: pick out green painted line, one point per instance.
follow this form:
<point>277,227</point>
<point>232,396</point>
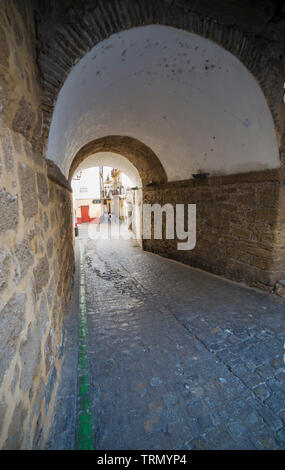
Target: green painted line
<point>84,428</point>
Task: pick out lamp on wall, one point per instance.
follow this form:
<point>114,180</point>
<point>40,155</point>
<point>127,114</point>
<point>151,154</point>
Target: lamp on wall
<point>201,176</point>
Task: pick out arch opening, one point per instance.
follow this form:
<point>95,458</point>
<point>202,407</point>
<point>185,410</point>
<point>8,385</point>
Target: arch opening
<point>135,156</point>
<point>162,103</point>
<point>109,159</point>
<point>175,105</point>
<point>174,91</point>
<point>104,195</point>
<point>123,165</point>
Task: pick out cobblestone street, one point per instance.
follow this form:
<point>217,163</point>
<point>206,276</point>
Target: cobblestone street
<point>178,358</point>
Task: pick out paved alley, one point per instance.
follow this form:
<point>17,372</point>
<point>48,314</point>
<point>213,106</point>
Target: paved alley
<point>178,358</point>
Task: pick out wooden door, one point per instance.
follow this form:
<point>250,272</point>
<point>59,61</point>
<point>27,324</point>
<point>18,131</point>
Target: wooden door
<point>84,214</point>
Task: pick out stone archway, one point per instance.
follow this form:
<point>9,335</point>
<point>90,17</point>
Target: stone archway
<point>130,158</point>
<point>242,236</point>
<point>78,28</point>
<point>183,120</point>
<point>142,157</point>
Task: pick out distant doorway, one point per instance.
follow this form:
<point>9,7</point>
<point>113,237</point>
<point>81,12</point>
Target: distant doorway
<point>85,214</point>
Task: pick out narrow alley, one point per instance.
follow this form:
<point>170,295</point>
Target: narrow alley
<point>178,358</point>
<point>163,123</point>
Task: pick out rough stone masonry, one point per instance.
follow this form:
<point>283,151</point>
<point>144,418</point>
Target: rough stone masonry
<point>240,218</point>
<point>36,253</point>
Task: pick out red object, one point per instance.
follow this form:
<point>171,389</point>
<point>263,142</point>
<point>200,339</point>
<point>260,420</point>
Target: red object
<point>85,214</point>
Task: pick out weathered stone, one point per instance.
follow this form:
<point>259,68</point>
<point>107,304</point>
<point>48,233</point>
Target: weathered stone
<point>18,66</point>
<point>50,387</point>
<point>15,378</point>
<point>39,397</point>
<point>30,350</point>
<point>42,188</point>
<point>38,432</point>
<point>211,372</point>
<point>52,219</point>
<point>17,32</point>
<point>41,274</point>
<point>60,339</point>
<point>12,323</point>
<point>214,229</point>
<point>24,256</point>
<point>55,175</point>
<point>4,98</point>
<point>42,316</point>
<point>9,211</point>
<point>36,139</point>
<point>239,242</point>
<point>4,49</point>
<point>3,408</point>
<point>50,292</point>
<point>17,142</point>
<point>16,272</point>
<point>7,147</point>
<point>261,391</point>
<point>45,222</point>
<point>28,149</point>
<point>50,247</point>
<point>141,156</point>
<point>15,432</point>
<point>24,118</point>
<point>22,9</point>
<point>28,190</point>
<point>269,417</point>
<point>280,288</point>
<point>37,229</point>
<point>4,268</point>
<point>49,351</point>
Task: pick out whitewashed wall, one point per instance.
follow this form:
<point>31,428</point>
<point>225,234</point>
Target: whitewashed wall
<point>192,102</point>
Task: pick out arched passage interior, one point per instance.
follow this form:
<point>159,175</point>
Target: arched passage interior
<point>121,163</point>
<point>172,90</point>
<point>162,87</point>
<point>177,105</point>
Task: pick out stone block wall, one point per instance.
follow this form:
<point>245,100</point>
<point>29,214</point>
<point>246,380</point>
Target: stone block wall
<point>36,270</point>
<point>240,218</point>
<point>36,244</point>
<point>240,225</point>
